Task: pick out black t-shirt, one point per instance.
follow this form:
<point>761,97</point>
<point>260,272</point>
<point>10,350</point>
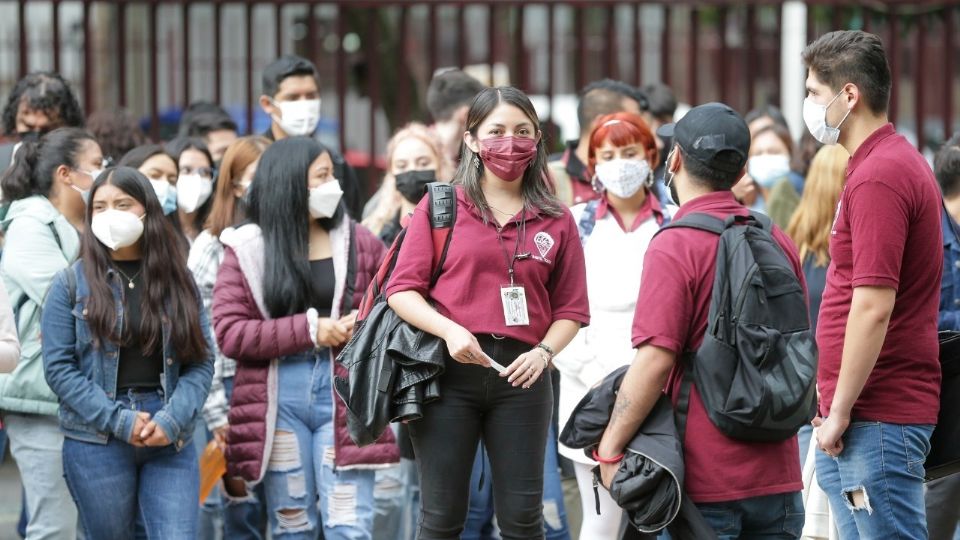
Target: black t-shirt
<point>324,284</point>
<point>136,369</point>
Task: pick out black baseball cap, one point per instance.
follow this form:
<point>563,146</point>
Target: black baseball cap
<point>713,134</point>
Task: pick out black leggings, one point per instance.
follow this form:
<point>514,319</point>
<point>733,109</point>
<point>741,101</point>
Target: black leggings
<point>476,402</point>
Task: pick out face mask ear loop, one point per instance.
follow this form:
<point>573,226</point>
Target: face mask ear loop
<point>825,109</point>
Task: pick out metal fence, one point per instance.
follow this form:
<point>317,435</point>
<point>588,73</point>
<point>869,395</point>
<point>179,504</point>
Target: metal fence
<point>376,57</point>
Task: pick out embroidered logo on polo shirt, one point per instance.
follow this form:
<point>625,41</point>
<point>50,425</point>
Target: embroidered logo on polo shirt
<point>544,243</point>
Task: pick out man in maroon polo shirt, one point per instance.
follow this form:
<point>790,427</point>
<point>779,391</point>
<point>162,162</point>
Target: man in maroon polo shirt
<point>879,372</point>
<point>741,488</point>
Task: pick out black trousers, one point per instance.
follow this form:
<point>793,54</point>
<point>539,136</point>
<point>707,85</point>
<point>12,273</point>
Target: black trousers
<point>476,403</point>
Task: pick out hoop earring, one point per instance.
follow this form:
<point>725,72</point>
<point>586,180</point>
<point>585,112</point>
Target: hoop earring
<point>649,181</point>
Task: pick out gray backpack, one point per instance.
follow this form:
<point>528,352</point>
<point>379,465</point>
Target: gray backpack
<point>756,368</point>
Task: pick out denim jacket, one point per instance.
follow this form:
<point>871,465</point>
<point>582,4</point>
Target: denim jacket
<point>949,318</point>
<point>91,412</point>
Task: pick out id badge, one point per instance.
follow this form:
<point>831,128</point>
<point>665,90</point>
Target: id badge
<point>514,305</point>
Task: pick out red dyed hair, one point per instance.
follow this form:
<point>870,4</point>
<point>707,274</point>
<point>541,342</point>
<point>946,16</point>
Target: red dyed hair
<point>622,129</point>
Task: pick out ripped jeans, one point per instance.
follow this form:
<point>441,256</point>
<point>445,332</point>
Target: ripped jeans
<point>875,486</point>
<point>302,487</point>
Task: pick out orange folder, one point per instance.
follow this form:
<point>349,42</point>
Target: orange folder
<point>213,465</point>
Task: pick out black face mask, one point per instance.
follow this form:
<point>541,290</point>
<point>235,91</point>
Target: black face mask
<point>413,184</point>
<point>30,136</point>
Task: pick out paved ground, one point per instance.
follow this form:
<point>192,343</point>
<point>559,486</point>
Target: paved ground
<point>9,499</point>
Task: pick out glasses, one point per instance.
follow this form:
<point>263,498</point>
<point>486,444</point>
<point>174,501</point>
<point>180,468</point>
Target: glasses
<point>205,172</point>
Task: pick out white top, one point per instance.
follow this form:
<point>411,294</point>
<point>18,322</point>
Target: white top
<point>614,261</point>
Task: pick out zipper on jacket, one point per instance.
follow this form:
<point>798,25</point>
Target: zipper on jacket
<point>596,491</point>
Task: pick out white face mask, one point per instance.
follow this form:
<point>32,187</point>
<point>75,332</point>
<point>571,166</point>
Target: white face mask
<point>117,229</point>
<point>167,194</point>
<point>324,199</point>
<point>766,169</point>
<point>815,117</point>
<point>298,117</point>
<point>192,191</point>
<point>85,193</point>
<point>624,177</point>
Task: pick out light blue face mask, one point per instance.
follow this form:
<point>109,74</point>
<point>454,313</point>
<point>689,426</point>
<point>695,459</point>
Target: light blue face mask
<point>166,194</point>
<point>84,194</point>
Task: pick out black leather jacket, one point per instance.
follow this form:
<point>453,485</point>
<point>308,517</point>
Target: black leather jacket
<point>395,374</point>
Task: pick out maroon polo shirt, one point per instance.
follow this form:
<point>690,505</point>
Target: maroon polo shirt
<point>886,233</point>
<point>672,309</point>
<point>468,290</point>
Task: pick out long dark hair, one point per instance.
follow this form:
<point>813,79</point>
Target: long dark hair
<point>169,290</point>
<point>32,170</point>
<point>136,156</point>
<point>535,187</point>
<point>279,205</point>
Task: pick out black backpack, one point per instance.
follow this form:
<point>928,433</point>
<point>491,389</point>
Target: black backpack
<point>756,368</point>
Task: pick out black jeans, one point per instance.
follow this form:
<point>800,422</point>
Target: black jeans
<point>476,402</point>
<point>943,508</point>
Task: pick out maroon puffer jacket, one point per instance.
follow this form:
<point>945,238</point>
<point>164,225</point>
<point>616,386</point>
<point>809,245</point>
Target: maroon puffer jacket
<point>246,333</point>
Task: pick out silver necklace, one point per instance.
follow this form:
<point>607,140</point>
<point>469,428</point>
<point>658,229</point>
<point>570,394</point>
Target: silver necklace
<point>130,284</point>
<point>492,207</point>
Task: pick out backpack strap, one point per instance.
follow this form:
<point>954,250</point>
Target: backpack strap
<point>56,235</point>
<point>683,396</point>
<point>72,283</point>
<point>588,219</point>
<point>703,222</point>
<point>71,276</point>
<point>763,221</point>
<point>443,216</point>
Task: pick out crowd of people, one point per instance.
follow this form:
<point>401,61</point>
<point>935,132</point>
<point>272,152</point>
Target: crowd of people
<point>162,298</point>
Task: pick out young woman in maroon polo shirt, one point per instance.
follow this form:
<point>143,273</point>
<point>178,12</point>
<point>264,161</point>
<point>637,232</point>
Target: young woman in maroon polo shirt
<point>622,155</point>
<point>512,289</point>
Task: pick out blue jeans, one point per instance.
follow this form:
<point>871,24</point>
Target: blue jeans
<point>769,517</point>
<point>114,483</point>
<point>479,526</point>
<point>397,493</point>
<point>884,462</point>
<point>302,487</point>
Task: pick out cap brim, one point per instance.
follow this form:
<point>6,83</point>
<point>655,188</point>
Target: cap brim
<point>666,131</point>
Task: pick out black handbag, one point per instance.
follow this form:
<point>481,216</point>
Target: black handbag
<point>944,457</point>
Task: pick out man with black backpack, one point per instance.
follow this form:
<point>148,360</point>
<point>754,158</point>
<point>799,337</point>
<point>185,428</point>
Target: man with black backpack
<point>721,327</point>
<point>879,373</point>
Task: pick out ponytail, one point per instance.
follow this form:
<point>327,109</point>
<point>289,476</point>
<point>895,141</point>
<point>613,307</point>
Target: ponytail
<point>35,162</point>
<point>17,181</point>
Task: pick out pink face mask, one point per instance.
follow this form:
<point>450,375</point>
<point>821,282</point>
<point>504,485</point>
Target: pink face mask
<point>508,157</point>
